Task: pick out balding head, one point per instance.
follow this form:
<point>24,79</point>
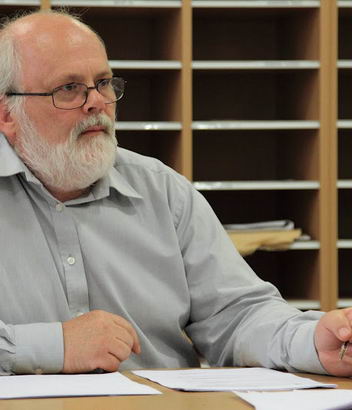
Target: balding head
<point>32,36</point>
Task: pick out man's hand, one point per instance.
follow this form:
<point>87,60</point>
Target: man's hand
<point>333,329</point>
<point>98,339</point>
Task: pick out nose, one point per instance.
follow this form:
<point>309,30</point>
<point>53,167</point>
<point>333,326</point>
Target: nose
<point>95,101</point>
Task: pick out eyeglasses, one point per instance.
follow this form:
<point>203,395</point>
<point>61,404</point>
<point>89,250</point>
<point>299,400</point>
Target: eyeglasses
<point>74,95</point>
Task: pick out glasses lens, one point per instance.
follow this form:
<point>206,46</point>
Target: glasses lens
<point>112,89</point>
<point>70,96</point>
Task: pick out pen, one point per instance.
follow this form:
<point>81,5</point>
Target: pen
<point>343,350</point>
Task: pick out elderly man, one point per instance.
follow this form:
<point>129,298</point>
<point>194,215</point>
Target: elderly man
<point>108,258</point>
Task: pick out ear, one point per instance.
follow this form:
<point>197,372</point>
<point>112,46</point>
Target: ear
<point>8,125</point>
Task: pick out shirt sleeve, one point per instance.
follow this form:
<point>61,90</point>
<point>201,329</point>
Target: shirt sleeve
<point>31,348</point>
<point>237,318</point>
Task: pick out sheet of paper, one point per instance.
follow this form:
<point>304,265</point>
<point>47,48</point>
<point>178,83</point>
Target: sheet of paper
<point>301,399</point>
<point>107,384</point>
<point>247,379</point>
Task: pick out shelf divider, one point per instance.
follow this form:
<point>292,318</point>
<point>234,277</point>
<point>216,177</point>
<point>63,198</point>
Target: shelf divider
<point>328,278</point>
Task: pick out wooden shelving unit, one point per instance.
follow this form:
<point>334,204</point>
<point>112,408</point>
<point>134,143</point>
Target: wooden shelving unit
<point>260,130</point>
<point>344,125</point>
<point>250,100</point>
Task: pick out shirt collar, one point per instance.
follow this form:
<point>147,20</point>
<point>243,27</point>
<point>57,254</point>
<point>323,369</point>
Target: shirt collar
<point>11,164</point>
<point>114,180</point>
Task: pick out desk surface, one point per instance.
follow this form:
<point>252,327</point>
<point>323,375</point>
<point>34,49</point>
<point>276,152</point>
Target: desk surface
<point>170,399</point>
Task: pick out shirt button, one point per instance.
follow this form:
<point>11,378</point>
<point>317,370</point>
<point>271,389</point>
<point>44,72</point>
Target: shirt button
<point>59,207</point>
<point>71,260</point>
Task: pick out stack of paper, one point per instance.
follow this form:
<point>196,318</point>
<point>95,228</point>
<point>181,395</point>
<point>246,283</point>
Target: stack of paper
<point>268,235</point>
<point>247,379</point>
<point>302,400</point>
<point>278,225</point>
<point>70,385</point>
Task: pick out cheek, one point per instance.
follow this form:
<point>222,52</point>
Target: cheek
<point>111,110</point>
<point>56,126</point>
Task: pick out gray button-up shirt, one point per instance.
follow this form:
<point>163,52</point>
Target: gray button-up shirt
<point>143,244</point>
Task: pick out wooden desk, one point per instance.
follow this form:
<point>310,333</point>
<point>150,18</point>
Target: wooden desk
<point>169,400</point>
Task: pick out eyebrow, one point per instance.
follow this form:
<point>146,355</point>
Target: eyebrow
<point>77,78</point>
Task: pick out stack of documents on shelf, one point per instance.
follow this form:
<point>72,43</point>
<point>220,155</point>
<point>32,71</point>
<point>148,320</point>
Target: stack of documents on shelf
<point>268,235</point>
<point>246,379</point>
<point>278,225</point>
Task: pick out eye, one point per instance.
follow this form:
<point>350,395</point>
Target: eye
<point>69,88</point>
<point>105,82</point>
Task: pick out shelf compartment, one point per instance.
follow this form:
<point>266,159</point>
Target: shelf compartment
<point>344,30</point>
<point>345,269</point>
<point>344,96</point>
<point>253,158</point>
<point>256,95</point>
<point>296,276</point>
<point>164,145</point>
<point>300,206</point>
<point>345,213</point>
<point>251,33</point>
<point>130,33</point>
<point>344,155</point>
<point>153,96</point>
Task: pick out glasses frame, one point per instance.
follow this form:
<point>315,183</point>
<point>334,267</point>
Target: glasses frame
<point>52,93</point>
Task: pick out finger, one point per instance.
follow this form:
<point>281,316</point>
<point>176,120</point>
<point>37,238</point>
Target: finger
<point>345,331</point>
<point>110,363</point>
<point>123,335</point>
<point>121,322</point>
<point>348,313</point>
<point>339,324</point>
<point>120,349</point>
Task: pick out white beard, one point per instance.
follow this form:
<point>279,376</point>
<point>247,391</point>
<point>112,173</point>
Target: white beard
<point>74,164</point>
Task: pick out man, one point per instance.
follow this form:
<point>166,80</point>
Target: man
<point>108,258</point>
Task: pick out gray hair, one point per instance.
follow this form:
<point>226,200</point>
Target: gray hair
<point>10,66</point>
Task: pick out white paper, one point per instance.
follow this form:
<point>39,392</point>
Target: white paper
<point>303,400</point>
<point>107,384</point>
<point>247,379</point>
<point>278,225</point>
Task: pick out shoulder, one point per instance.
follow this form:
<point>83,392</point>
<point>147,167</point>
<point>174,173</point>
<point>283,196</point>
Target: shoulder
<point>134,166</point>
<point>154,181</point>
<point>129,159</point>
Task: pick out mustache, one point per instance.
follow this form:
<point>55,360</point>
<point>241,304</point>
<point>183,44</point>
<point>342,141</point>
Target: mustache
<point>100,120</point>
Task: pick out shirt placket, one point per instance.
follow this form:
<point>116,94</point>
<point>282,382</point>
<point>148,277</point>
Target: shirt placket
<point>71,258</point>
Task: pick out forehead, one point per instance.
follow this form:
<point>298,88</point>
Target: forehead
<point>56,46</point>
